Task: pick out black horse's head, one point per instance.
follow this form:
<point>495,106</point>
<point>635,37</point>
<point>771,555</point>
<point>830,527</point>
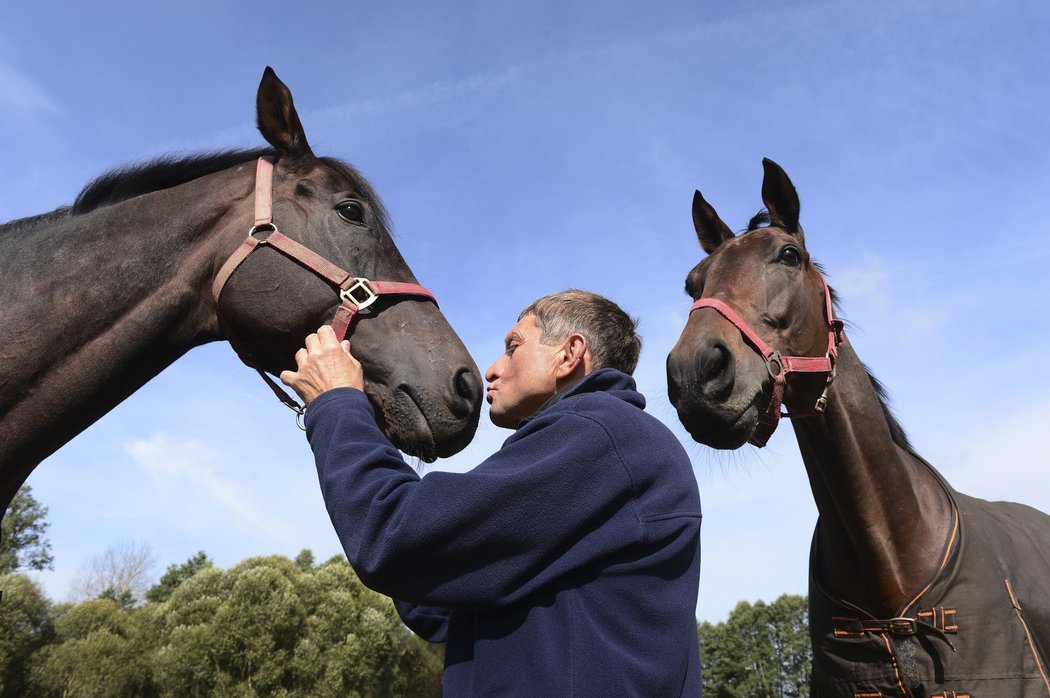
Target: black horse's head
<point>424,386</point>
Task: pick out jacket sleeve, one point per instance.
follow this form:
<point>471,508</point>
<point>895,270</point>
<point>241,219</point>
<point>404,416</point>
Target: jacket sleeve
<point>555,499</point>
<point>428,622</point>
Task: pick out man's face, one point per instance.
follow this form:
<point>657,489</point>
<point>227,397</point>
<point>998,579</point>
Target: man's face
<point>523,378</point>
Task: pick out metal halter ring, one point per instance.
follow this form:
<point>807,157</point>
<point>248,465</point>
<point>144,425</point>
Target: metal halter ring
<point>775,365</point>
<point>262,228</point>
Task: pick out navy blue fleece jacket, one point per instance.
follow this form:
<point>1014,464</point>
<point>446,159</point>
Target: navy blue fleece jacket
<point>567,564</point>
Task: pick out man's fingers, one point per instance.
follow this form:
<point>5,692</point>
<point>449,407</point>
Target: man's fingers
<point>346,346</point>
<point>287,377</point>
<point>313,343</point>
<point>300,357</point>
<point>326,336</point>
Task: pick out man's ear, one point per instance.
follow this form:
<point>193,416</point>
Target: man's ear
<point>574,357</point>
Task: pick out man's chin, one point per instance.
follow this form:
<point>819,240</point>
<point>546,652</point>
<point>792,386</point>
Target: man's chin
<point>503,421</point>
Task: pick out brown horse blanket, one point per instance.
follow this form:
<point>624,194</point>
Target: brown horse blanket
<point>979,629</point>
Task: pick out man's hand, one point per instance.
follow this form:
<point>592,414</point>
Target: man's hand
<point>324,363</point>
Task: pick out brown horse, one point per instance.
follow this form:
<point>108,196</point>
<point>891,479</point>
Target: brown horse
<point>915,589</point>
<point>101,296</point>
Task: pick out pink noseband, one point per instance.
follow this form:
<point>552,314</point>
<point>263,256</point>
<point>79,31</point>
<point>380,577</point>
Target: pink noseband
<point>779,366</point>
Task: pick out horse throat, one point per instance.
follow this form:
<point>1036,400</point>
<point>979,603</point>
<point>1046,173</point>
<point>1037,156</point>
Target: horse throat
<point>884,516</point>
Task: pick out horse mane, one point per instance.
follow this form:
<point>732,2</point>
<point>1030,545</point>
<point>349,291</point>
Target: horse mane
<point>129,181</point>
<point>763,219</point>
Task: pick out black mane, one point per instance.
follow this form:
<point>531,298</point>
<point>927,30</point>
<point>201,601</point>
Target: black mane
<point>763,219</point>
<point>168,171</point>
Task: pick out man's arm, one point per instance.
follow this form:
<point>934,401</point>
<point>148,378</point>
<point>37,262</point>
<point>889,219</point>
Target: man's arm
<point>553,500</point>
<point>428,622</point>
<point>550,502</point>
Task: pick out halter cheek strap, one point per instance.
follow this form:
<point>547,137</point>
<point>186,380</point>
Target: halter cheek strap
<point>779,366</point>
<point>355,294</point>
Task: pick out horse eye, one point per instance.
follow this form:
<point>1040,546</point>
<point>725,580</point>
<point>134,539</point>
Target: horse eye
<point>351,212</point>
<point>790,255</point>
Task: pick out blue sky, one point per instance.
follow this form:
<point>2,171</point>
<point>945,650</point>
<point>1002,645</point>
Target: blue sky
<point>525,148</point>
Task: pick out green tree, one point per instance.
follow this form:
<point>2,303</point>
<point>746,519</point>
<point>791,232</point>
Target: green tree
<point>100,650</point>
<point>26,625</point>
<point>267,627</point>
<point>759,651</point>
<point>176,575</point>
<point>305,560</point>
<point>22,542</point>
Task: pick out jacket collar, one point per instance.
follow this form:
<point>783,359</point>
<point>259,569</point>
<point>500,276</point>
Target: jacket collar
<point>605,380</point>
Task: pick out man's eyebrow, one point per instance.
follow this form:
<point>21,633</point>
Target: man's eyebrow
<point>512,337</point>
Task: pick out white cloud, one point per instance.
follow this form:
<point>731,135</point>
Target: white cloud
<point>188,465</point>
<point>19,93</point>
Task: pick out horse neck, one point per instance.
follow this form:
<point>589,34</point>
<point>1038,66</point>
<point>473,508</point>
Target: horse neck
<point>98,304</point>
<point>884,516</point>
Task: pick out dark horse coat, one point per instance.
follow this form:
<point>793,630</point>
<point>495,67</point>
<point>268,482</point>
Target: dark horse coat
<point>980,628</point>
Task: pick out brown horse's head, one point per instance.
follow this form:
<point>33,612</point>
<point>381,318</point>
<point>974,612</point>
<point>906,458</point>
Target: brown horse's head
<point>715,379</point>
<point>423,384</point>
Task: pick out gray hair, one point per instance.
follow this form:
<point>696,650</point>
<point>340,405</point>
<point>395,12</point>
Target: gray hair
<point>611,334</point>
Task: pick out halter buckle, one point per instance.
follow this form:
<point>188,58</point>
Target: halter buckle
<point>775,365</point>
<point>360,294</point>
<point>902,626</point>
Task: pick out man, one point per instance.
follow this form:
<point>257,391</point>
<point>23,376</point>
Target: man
<point>567,563</point>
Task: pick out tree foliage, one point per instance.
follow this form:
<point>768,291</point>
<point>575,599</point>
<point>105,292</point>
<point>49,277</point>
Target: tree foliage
<point>26,625</point>
<point>759,651</point>
<point>176,575</point>
<point>22,542</point>
<point>266,627</point>
<point>99,650</point>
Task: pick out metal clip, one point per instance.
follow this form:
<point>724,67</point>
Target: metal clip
<point>822,401</point>
<point>300,414</point>
<point>360,293</point>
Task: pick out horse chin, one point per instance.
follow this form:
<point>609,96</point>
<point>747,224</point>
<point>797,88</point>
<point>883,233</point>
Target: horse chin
<point>401,421</point>
<point>417,426</point>
<point>724,432</point>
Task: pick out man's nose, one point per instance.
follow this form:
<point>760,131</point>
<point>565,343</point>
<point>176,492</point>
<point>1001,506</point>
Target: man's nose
<point>495,370</point>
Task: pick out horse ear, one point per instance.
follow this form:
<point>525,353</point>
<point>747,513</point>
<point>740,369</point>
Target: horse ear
<point>710,229</point>
<point>277,119</point>
<point>780,197</point>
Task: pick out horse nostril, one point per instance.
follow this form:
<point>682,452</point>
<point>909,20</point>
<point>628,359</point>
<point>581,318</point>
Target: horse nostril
<point>467,388</point>
<point>715,367</point>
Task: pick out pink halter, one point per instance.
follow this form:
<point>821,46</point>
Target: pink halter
<point>779,366</point>
<point>355,294</point>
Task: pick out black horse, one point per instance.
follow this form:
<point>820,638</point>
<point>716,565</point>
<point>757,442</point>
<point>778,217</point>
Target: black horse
<point>99,297</point>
